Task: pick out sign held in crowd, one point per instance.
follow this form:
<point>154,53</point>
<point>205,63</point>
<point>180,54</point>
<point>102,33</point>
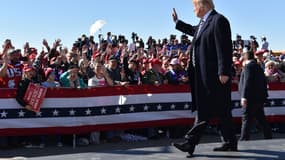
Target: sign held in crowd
<point>35,95</point>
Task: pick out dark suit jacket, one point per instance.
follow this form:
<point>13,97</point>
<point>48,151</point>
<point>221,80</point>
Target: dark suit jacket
<point>21,91</point>
<point>253,84</point>
<point>213,57</point>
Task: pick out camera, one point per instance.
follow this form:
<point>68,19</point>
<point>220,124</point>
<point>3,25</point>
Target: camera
<point>114,39</point>
<point>8,43</point>
<point>81,41</point>
<point>185,40</point>
<point>118,39</point>
<point>101,38</point>
<point>238,37</point>
<point>172,37</point>
<point>151,42</point>
<point>78,43</point>
<point>134,36</point>
<point>140,43</point>
<point>263,38</point>
<point>253,38</point>
<point>164,41</point>
<point>121,39</point>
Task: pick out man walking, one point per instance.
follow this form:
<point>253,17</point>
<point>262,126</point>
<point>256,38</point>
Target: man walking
<point>210,74</point>
<point>253,90</point>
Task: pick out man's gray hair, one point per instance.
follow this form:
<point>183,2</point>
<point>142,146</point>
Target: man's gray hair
<point>208,3</point>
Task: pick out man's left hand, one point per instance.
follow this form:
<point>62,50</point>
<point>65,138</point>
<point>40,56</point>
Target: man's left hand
<point>224,79</point>
<point>243,102</point>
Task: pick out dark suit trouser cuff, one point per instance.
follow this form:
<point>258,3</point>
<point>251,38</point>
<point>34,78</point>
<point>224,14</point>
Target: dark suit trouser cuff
<point>193,136</point>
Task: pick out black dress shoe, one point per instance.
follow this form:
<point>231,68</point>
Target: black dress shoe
<point>226,147</point>
<point>268,137</point>
<point>243,139</point>
<point>185,147</point>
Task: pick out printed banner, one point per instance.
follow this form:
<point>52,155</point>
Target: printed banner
<point>74,111</point>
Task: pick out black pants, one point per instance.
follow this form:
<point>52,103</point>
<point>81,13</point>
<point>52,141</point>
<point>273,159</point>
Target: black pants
<point>226,123</point>
<point>254,110</point>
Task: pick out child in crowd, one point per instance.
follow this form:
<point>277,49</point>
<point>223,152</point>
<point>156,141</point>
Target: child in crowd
<point>51,83</point>
<point>50,79</point>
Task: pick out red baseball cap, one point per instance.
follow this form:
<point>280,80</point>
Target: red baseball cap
<point>96,54</point>
<point>156,61</point>
<point>28,68</point>
<point>237,63</point>
<point>48,71</point>
<point>260,52</point>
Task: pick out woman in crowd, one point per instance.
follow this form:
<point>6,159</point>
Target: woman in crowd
<point>101,77</point>
<point>71,79</point>
<point>271,72</point>
<point>85,71</point>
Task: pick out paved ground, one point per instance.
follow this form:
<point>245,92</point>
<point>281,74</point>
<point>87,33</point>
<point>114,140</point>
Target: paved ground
<point>256,149</point>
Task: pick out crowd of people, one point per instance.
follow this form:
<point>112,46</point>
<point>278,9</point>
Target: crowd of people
<point>273,65</point>
<point>89,64</point>
<point>113,61</point>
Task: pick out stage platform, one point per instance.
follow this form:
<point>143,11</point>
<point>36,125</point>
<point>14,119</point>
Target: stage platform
<point>256,149</point>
